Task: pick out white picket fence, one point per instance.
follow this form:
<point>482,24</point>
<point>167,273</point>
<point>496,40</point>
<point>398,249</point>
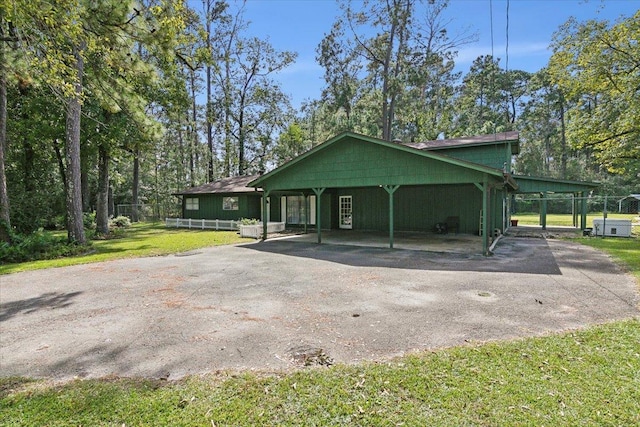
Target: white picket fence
<point>253,230</point>
<point>202,224</point>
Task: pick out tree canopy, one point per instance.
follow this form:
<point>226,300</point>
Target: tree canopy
<point>111,106</point>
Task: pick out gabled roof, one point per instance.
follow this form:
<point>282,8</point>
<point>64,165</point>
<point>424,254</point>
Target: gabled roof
<point>492,138</point>
<point>235,184</point>
<point>631,196</point>
<point>396,146</point>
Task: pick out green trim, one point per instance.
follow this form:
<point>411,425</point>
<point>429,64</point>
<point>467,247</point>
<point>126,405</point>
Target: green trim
<point>532,184</point>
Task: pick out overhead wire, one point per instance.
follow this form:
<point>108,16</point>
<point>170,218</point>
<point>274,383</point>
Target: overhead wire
<point>506,65</point>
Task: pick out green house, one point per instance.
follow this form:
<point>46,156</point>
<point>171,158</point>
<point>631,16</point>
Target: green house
<point>356,182</point>
<point>225,199</point>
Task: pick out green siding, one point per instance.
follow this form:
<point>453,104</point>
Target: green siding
<point>416,208</point>
<point>494,156</point>
<point>354,162</point>
<point>211,207</point>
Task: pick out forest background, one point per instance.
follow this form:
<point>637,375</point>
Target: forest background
<point>112,102</point>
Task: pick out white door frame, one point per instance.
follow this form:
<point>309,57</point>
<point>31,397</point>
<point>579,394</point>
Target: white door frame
<point>345,212</point>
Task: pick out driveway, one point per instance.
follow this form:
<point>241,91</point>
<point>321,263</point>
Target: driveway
<point>278,304</point>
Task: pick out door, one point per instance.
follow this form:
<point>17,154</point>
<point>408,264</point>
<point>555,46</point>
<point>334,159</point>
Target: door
<point>345,212</point>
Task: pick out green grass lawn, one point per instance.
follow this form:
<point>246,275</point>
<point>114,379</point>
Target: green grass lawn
<point>585,377</point>
<point>565,220</point>
<point>142,239</point>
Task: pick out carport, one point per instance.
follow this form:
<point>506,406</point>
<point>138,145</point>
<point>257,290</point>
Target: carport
<point>545,187</point>
<point>371,185</point>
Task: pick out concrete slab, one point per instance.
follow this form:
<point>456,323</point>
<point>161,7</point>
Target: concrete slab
<point>449,243</point>
<point>255,306</point>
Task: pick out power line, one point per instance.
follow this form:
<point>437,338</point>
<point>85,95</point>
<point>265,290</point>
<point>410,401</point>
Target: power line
<point>507,47</point>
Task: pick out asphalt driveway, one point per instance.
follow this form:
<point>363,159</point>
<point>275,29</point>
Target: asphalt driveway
<point>259,306</point>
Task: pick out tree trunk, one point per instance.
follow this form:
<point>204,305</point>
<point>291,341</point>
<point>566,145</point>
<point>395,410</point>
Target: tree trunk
<point>563,136</point>
<point>102,202</point>
<point>241,137</point>
<point>5,217</point>
<point>75,226</point>
<point>194,130</point>
<point>135,186</point>
<point>209,103</point>
<point>84,183</point>
<point>60,159</point>
<point>386,129</point>
<point>112,206</point>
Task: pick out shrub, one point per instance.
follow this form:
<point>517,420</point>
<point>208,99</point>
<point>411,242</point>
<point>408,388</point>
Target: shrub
<point>249,221</point>
<point>120,222</point>
<point>89,220</point>
<point>37,246</point>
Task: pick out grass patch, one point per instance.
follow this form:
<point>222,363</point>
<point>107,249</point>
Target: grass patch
<point>624,250</point>
<point>588,377</point>
<point>141,239</point>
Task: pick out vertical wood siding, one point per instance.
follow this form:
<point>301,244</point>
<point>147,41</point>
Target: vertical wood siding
<point>416,208</point>
<point>211,207</point>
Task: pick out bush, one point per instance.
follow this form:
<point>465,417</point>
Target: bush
<point>89,220</point>
<point>37,246</point>
<point>120,222</point>
<point>249,221</point>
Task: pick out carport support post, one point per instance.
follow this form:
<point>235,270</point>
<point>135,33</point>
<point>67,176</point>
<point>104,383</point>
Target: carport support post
<point>265,214</point>
<point>318,192</point>
<point>484,227</point>
<point>391,189</point>
<point>543,211</point>
<point>486,192</point>
<point>583,206</point>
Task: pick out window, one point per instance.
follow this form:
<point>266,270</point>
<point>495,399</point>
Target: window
<point>192,204</point>
<point>230,204</point>
<point>295,212</point>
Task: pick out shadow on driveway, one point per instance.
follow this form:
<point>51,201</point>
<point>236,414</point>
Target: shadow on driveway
<point>47,301</point>
<point>513,255</point>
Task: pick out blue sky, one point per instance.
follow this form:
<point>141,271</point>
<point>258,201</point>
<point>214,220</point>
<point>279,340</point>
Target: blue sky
<point>299,25</point>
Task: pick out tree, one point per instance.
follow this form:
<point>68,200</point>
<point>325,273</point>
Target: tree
<point>75,222</point>
<point>399,46</point>
<point>5,217</point>
<point>597,64</point>
<point>291,143</point>
<point>543,128</point>
<point>245,90</point>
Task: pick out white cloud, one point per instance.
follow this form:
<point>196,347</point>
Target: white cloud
<point>532,53</point>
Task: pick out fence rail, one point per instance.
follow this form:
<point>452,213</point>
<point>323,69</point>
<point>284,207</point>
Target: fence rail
<point>252,230</point>
<point>202,224</point>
